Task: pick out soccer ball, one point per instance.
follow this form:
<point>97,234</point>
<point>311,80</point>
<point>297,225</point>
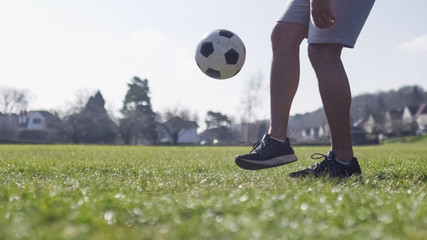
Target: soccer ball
<point>220,54</point>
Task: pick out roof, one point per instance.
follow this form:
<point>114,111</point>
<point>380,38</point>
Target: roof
<point>413,109</point>
<point>422,109</point>
<point>396,114</point>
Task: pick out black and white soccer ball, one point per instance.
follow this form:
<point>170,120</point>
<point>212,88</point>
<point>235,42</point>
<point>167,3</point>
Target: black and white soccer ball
<point>220,54</point>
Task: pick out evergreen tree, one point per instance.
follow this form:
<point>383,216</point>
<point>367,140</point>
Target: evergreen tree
<point>216,120</point>
<point>139,119</point>
<point>218,128</point>
<point>92,124</point>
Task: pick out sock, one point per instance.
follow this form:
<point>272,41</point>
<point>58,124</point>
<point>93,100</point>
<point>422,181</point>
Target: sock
<point>282,141</point>
<point>343,163</point>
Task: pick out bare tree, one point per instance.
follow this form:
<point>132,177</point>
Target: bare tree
<point>251,99</point>
<point>180,112</point>
<point>81,97</point>
<point>13,100</point>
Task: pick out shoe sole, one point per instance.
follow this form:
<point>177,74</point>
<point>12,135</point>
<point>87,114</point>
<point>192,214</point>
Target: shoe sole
<point>274,162</point>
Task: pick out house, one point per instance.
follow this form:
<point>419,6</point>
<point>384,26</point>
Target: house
<point>9,128</point>
<point>189,134</point>
<point>409,119</point>
<point>421,118</point>
<point>8,121</point>
<point>393,121</point>
<point>360,137</point>
<point>375,123</point>
<point>38,120</point>
<point>184,131</point>
<point>409,114</point>
<point>313,134</point>
<point>306,135</point>
<point>32,126</point>
<point>39,126</point>
<point>369,125</point>
<point>324,132</point>
<point>33,120</point>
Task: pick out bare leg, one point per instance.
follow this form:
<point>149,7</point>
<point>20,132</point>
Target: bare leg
<point>336,95</point>
<point>284,77</point>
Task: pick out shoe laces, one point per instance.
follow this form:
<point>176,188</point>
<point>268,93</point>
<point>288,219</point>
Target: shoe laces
<point>264,146</point>
<point>327,165</point>
<point>256,144</point>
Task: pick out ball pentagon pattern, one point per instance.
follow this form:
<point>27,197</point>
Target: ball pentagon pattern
<point>220,54</point>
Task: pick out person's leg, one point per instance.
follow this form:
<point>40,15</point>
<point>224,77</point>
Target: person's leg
<point>336,96</point>
<point>269,152</point>
<point>285,71</point>
<point>274,149</point>
<point>325,46</point>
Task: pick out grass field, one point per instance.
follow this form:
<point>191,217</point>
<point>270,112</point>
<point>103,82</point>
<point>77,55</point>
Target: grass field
<point>122,192</point>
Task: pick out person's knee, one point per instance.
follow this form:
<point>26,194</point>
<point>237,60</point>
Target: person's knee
<point>322,54</point>
<point>277,38</point>
<point>287,35</point>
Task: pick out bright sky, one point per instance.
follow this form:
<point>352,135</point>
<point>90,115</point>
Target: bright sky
<point>57,48</point>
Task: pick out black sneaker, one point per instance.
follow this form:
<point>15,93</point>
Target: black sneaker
<point>329,167</point>
<point>267,153</point>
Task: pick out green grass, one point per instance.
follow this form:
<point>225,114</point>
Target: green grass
<point>120,192</point>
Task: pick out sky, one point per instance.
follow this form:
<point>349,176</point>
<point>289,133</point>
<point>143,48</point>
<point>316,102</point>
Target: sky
<point>58,50</point>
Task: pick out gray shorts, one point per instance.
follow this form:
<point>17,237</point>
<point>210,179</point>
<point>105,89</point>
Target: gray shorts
<point>351,16</point>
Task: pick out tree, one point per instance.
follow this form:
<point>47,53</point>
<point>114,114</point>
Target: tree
<point>216,120</point>
<point>80,101</point>
<point>218,128</point>
<point>175,127</point>
<point>92,124</point>
<point>13,100</point>
<point>413,95</point>
<point>139,120</point>
<point>250,100</point>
